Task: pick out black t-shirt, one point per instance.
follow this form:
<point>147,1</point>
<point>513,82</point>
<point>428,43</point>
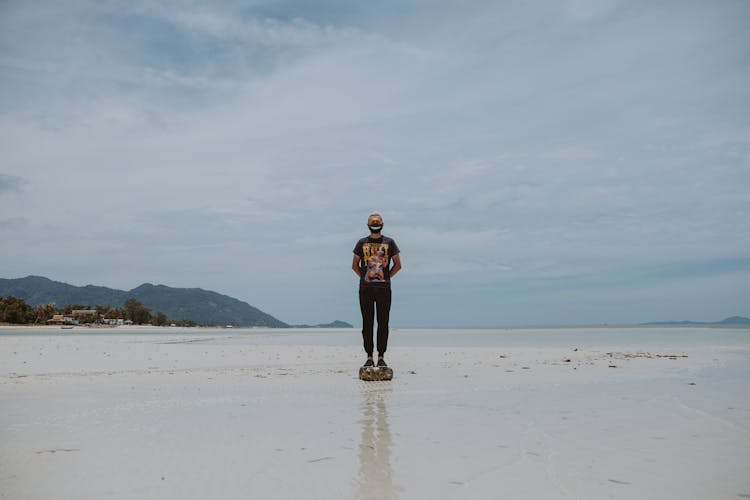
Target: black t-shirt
<point>375,260</point>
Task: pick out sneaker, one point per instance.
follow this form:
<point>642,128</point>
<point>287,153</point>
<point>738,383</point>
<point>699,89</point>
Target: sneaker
<point>381,363</point>
<point>369,362</point>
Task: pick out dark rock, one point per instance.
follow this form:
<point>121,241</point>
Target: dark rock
<point>373,373</point>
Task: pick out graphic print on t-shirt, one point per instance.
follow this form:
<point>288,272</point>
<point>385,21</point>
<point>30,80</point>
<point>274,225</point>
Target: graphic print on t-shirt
<point>375,256</point>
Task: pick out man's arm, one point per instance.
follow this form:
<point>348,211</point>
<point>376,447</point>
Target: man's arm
<point>396,265</point>
<point>355,265</point>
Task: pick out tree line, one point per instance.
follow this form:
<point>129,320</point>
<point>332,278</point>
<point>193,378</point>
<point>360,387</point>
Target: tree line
<point>16,311</point>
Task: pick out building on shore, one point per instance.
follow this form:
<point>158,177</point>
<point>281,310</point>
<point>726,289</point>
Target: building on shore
<point>62,319</point>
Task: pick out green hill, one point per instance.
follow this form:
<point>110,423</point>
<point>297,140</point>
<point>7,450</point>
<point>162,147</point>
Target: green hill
<point>202,306</point>
<point>37,290</point>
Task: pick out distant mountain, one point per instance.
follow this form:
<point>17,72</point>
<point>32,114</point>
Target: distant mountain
<point>734,320</point>
<point>202,306</point>
<point>336,324</point>
<point>333,324</point>
<point>36,290</point>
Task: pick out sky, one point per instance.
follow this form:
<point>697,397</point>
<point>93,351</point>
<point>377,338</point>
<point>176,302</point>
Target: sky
<point>538,163</point>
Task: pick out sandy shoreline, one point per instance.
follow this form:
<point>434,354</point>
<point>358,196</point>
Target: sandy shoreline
<point>207,415</point>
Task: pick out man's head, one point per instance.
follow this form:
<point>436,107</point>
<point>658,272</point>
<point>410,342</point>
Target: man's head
<point>375,222</point>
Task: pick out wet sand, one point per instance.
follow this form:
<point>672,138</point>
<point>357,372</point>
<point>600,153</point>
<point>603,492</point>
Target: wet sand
<point>175,416</point>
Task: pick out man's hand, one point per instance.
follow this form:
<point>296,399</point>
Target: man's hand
<point>355,266</point>
<point>396,265</point>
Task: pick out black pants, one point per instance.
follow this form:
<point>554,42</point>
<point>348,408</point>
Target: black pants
<point>371,298</point>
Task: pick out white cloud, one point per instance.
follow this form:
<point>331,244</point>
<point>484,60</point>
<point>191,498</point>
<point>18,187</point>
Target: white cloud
<point>266,31</point>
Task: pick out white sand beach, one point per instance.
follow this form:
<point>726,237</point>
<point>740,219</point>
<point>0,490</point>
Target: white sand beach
<point>222,414</point>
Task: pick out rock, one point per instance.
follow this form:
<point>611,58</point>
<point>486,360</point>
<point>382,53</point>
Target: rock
<point>373,373</point>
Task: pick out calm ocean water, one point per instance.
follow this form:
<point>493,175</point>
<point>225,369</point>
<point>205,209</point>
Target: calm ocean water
<point>638,337</point>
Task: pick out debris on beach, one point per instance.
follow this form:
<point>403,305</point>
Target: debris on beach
<point>55,450</point>
<point>617,482</point>
<point>641,354</point>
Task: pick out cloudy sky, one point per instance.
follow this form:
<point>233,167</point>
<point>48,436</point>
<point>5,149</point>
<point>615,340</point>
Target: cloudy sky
<point>538,163</point>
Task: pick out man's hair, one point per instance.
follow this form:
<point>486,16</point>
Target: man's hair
<point>374,214</point>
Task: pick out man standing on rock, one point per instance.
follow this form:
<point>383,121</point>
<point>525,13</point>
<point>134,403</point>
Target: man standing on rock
<point>372,263</point>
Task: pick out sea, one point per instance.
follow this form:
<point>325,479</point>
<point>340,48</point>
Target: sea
<point>583,337</point>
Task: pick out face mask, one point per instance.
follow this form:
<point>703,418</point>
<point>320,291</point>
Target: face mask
<point>375,229</point>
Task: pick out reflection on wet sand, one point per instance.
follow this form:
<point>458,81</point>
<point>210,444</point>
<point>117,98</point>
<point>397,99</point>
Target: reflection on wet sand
<point>375,477</point>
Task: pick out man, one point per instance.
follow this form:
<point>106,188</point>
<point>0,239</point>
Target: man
<point>372,263</point>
